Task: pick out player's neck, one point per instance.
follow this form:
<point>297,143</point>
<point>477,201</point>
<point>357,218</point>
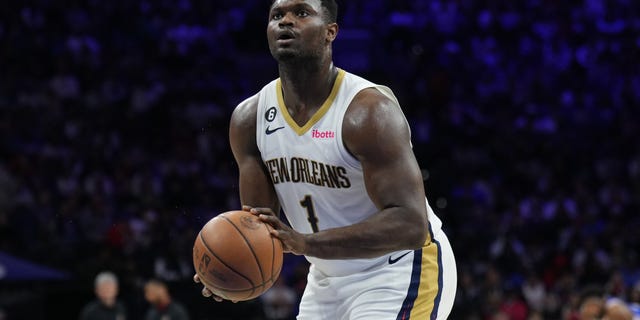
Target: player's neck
<point>306,86</point>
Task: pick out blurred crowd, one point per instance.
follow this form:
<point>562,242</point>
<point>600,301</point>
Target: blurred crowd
<point>525,119</point>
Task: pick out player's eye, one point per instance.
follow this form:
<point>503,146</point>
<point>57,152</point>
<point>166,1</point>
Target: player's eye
<point>302,13</point>
<point>276,16</point>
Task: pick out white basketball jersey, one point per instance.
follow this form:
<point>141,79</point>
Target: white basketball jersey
<point>319,183</point>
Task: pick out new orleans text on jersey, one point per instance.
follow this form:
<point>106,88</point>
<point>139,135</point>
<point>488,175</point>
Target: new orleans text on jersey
<point>300,170</point>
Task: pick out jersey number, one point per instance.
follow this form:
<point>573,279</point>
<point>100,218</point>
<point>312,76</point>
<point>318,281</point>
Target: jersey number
<point>311,213</point>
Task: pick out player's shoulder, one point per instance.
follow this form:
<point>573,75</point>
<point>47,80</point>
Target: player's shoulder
<point>372,98</point>
<point>248,104</point>
<point>245,112</point>
<point>368,96</point>
<point>374,112</point>
<point>371,106</point>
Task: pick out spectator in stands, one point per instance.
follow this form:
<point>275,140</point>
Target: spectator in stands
<point>616,309</point>
<point>106,306</point>
<point>280,301</point>
<point>163,307</point>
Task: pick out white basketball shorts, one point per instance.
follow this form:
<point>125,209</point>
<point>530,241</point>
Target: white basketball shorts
<point>418,284</point>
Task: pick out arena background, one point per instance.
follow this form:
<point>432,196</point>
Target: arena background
<point>114,152</point>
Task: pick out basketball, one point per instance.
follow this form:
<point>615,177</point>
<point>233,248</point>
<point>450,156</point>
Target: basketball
<point>236,257</point>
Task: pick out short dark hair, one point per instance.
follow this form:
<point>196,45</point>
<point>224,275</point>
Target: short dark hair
<point>331,8</point>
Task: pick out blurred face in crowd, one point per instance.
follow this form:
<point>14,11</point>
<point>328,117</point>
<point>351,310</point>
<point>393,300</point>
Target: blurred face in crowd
<point>155,293</point>
<point>591,309</point>
<point>298,29</point>
<point>617,311</point>
<point>635,294</point>
<point>107,291</point>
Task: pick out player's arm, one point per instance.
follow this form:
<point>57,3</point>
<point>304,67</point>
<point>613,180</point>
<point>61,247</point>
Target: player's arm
<point>256,189</point>
<point>377,134</point>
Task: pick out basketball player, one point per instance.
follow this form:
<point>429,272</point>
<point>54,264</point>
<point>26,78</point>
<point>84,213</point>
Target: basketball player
<point>333,151</point>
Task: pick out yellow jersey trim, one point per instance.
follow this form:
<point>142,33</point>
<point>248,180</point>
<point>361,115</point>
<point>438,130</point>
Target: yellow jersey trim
<point>316,116</point>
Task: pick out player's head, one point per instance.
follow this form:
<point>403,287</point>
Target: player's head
<point>330,9</point>
<point>106,287</point>
<point>302,29</point>
<point>156,292</point>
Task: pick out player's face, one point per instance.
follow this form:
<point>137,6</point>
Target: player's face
<point>297,29</point>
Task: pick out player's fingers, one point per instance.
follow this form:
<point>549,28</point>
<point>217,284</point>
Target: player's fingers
<point>207,293</point>
<point>272,220</point>
<point>284,238</point>
<point>265,211</point>
<point>246,208</point>
<point>196,279</point>
<point>277,235</point>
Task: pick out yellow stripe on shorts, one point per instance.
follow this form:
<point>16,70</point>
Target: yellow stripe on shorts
<point>423,297</point>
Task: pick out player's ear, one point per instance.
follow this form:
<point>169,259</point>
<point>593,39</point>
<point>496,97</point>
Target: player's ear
<point>332,31</point>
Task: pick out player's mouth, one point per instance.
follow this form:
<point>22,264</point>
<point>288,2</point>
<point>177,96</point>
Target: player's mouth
<point>285,37</point>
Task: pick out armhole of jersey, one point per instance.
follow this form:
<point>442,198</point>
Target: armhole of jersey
<point>389,94</point>
<point>347,156</point>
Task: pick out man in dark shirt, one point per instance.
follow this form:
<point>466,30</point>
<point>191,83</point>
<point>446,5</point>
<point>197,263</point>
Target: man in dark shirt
<point>162,306</point>
<point>105,306</point>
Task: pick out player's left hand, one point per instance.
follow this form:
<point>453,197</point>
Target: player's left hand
<point>208,293</point>
<point>292,241</point>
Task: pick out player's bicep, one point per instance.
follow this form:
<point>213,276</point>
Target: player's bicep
<point>393,183</point>
<point>393,178</point>
<point>255,186</point>
<point>378,136</point>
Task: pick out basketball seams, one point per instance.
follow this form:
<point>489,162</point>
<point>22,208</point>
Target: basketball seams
<point>255,256</point>
<point>213,286</point>
<point>206,246</point>
<point>273,255</point>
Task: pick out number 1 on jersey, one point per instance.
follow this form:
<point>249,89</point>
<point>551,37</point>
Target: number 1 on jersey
<point>311,213</point>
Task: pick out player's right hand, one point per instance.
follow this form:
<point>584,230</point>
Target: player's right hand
<point>206,292</point>
<point>292,240</point>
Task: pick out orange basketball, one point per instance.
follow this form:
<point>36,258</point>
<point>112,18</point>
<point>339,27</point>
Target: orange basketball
<point>236,257</point>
